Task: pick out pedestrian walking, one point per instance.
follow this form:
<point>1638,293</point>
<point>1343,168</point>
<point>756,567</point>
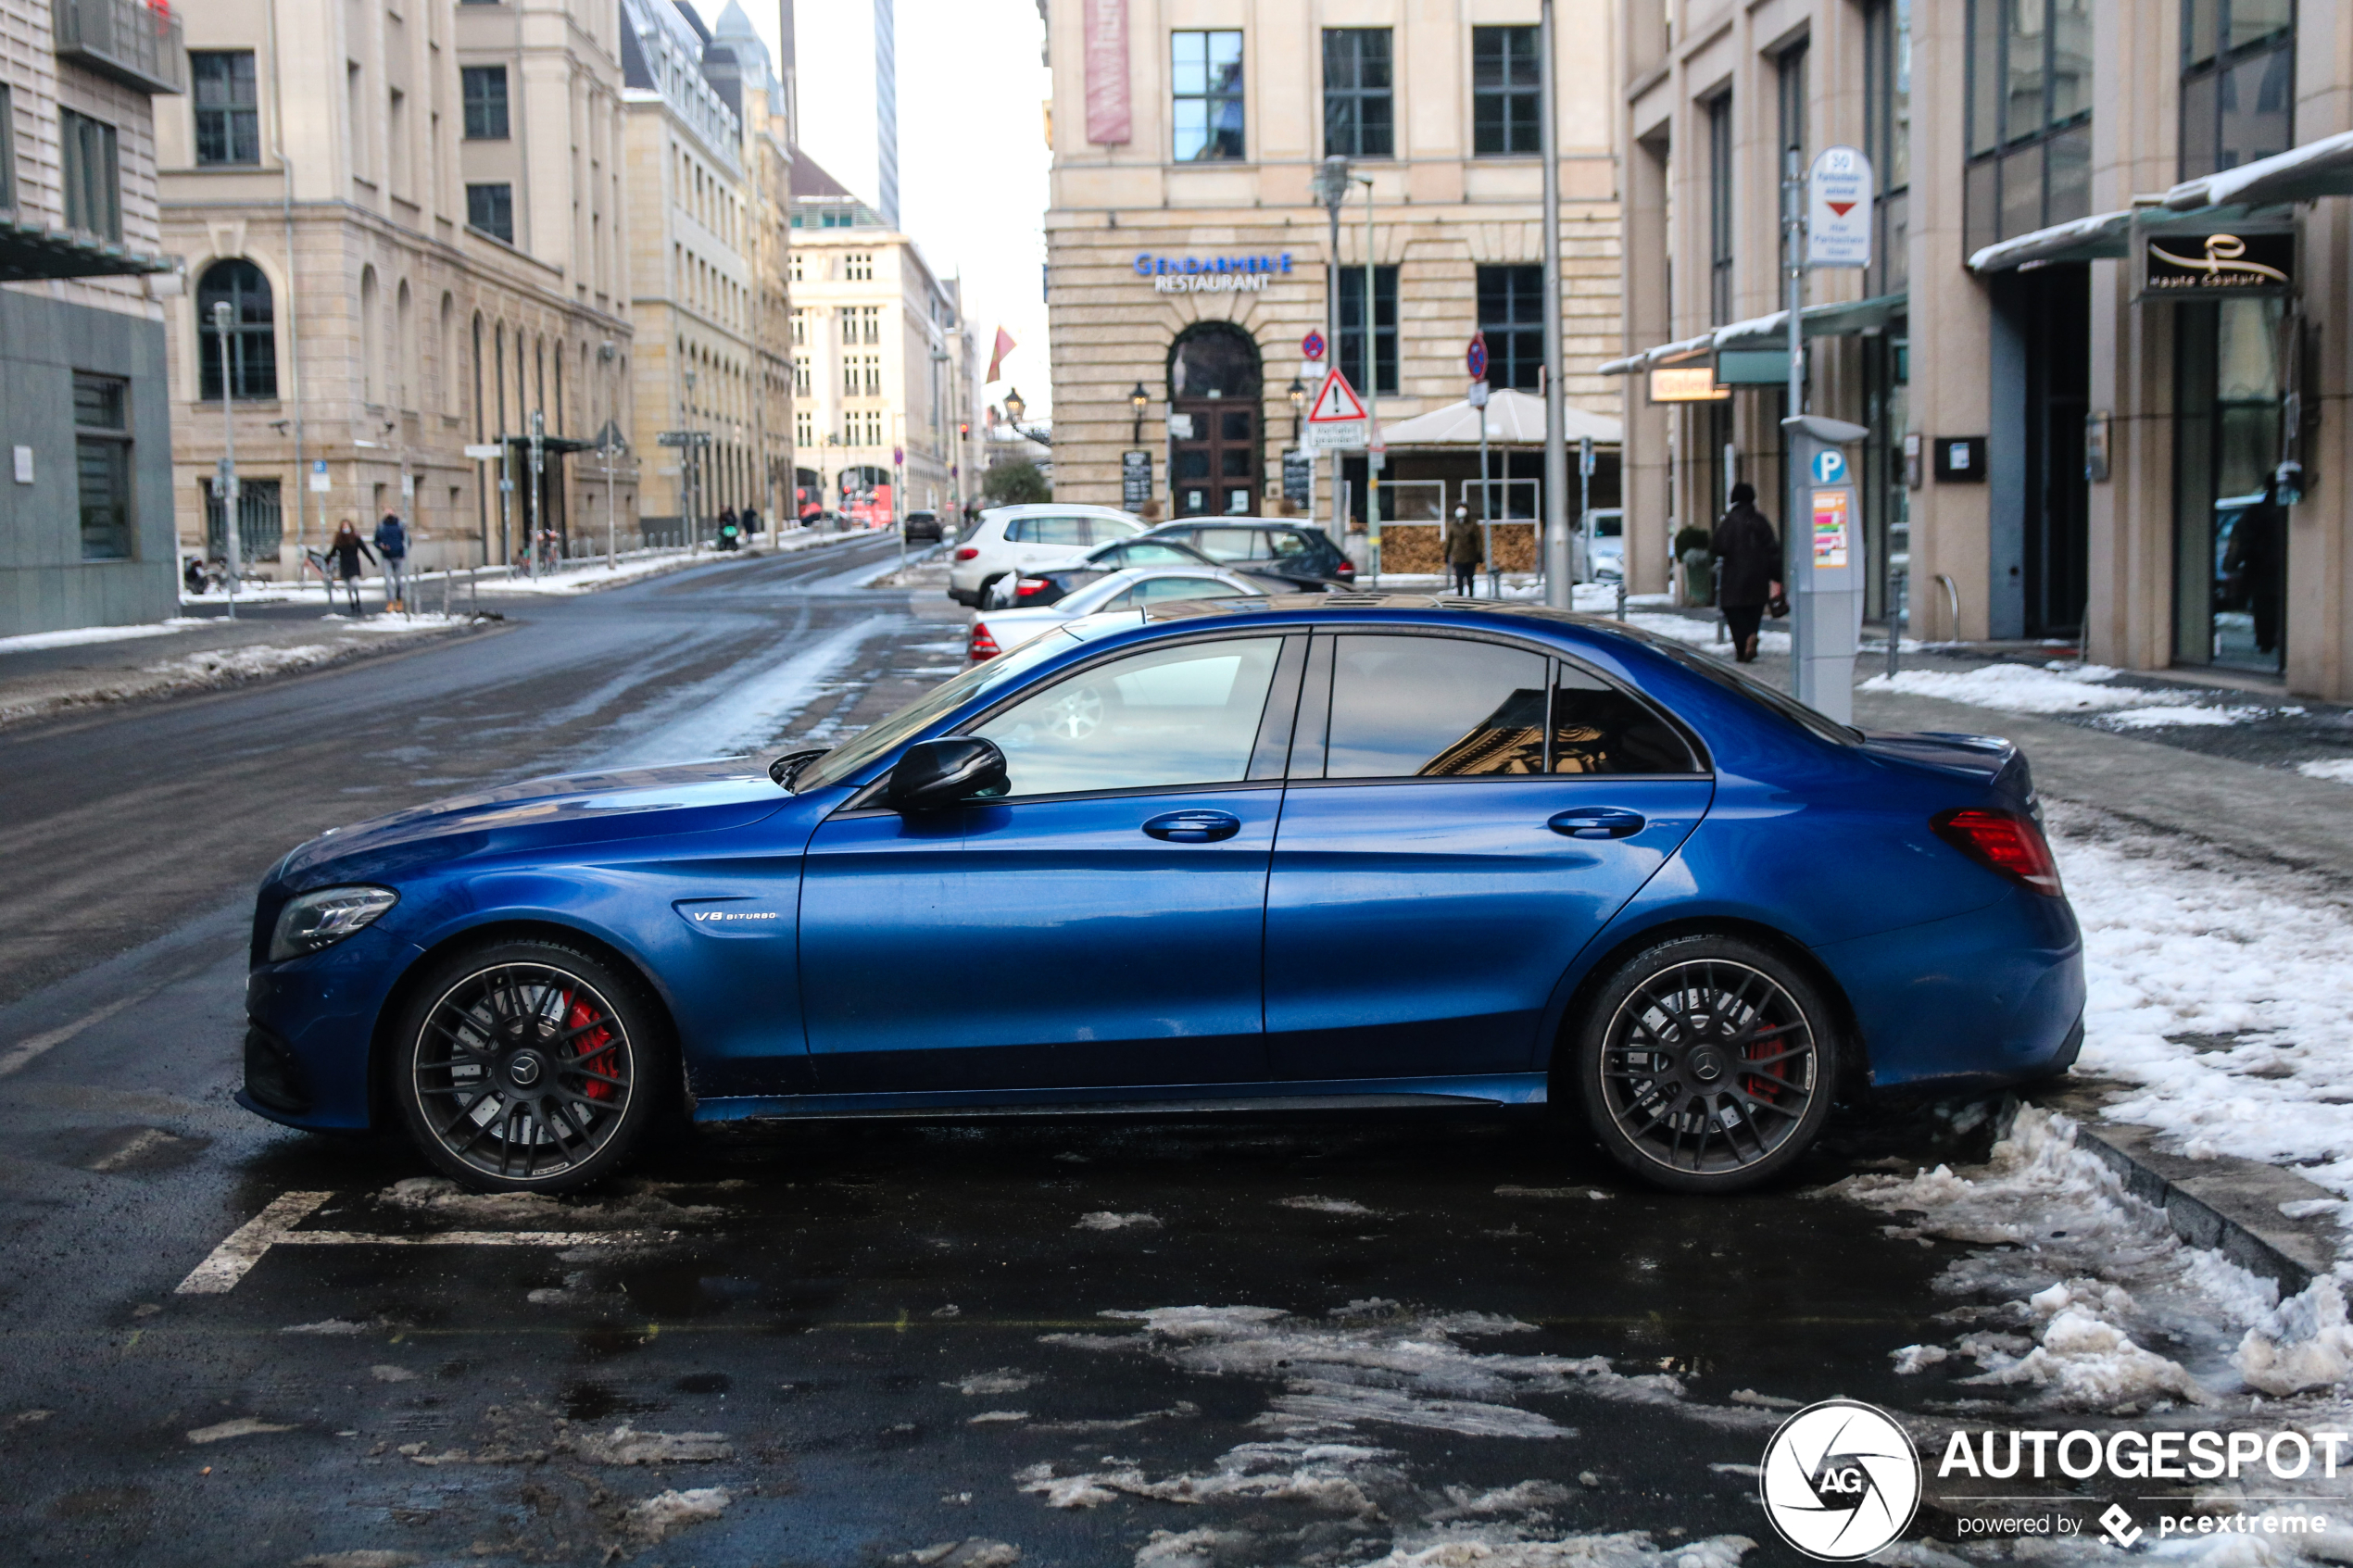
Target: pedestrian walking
<point>751,522</point>
<point>343,556</point>
<point>1748,569</point>
<point>392,543</point>
<point>1465,551</point>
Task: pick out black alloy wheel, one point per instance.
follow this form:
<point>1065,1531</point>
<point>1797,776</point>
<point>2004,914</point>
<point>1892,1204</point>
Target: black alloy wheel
<point>1708,1064</point>
<point>529,1067</point>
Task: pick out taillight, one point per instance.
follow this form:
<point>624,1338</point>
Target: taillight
<point>968,553</point>
<point>1345,568</point>
<point>2003,841</point>
<point>1030,587</point>
<point>982,644</point>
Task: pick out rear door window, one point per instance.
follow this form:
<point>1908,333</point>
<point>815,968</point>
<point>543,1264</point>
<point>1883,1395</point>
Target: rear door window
<point>1434,708</point>
<point>1599,729</point>
<point>1060,530</point>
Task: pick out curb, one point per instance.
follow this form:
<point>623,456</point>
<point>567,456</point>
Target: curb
<point>2225,1204</point>
<point>688,563</point>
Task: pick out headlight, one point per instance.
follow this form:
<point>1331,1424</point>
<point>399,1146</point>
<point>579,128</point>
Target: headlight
<point>322,919</point>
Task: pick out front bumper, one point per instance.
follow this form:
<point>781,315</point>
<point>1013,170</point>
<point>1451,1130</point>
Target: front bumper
<point>311,1024</point>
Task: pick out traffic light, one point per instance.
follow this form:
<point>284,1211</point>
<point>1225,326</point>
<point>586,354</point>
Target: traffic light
<point>964,429</point>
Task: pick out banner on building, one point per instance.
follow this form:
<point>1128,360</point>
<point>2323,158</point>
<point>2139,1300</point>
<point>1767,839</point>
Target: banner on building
<point>1108,114</point>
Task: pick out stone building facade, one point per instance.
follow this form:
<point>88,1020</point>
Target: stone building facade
<point>415,211</point>
<point>2073,431</point>
<point>85,420</point>
<point>883,363</point>
<point>1187,259</point>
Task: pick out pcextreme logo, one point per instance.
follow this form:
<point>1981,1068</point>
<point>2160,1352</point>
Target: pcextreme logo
<point>1840,1480</point>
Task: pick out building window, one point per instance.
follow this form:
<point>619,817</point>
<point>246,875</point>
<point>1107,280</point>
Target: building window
<point>2030,117</point>
<point>485,91</point>
<point>804,429</point>
<point>800,377</point>
<point>1511,315</point>
<point>1359,102</point>
<point>261,521</point>
<point>1507,94</point>
<point>491,208</point>
<point>861,375</point>
<point>228,106</point>
<point>1719,209</point>
<point>860,323</point>
<point>1205,70</point>
<point>857,266</point>
<point>799,328</point>
<point>102,464</point>
<point>1351,327</point>
<point>1887,140</point>
<point>8,151</point>
<point>93,176</point>
<point>253,345</point>
<point>2238,82</point>
<point>796,255</point>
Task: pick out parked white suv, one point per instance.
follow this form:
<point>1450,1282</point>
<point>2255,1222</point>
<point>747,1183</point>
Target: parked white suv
<point>1019,538</point>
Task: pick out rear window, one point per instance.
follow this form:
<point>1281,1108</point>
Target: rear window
<point>1231,543</point>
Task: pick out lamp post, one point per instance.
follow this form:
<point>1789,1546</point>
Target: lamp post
<point>1138,401</point>
<point>1015,407</point>
<point>224,319</point>
<point>1330,188</point>
<point>689,473</point>
<point>1297,393</point>
<point>1559,593</point>
<point>1374,452</point>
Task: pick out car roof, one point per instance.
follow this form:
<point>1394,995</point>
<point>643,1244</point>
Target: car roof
<point>1060,509</point>
<point>1236,522</point>
<point>1419,608</point>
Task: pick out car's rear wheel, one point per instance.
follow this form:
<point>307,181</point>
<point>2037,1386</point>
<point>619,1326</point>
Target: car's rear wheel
<point>1706,1064</point>
<point>530,1066</point>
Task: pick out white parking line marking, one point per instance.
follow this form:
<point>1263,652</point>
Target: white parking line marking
<point>243,1247</point>
<point>26,1049</point>
<point>274,1226</point>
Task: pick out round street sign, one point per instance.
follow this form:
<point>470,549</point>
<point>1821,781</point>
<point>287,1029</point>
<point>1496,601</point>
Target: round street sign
<point>1829,466</point>
<point>1476,360</point>
<point>1312,345</point>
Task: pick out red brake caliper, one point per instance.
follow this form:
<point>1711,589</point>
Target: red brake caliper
<point>593,1049</point>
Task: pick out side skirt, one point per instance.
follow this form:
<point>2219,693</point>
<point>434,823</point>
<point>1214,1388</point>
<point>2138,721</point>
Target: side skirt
<point>1494,1091</point>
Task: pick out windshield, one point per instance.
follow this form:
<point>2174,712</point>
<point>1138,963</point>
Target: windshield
<point>845,760</point>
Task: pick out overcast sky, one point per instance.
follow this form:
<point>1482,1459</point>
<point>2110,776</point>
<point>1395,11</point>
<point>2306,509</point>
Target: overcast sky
<point>972,147</point>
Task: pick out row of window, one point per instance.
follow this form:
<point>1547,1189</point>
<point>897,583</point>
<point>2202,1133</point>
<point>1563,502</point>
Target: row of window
<point>1207,114</point>
<point>1511,316</point>
<point>90,165</point>
<point>227,100</point>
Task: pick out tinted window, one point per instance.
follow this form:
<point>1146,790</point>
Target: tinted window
<point>1287,545</point>
<point>1101,530</point>
<point>1598,729</point>
<point>1173,716</point>
<point>1434,707</point>
<point>1231,543</point>
<point>1021,530</point>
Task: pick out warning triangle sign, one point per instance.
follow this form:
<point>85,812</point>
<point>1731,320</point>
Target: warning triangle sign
<point>1336,401</point>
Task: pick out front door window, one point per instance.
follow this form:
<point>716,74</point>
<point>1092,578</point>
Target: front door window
<point>1186,715</point>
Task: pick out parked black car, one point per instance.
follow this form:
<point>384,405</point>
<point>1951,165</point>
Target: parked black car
<point>1294,553</point>
<point>924,527</point>
<point>1030,590</point>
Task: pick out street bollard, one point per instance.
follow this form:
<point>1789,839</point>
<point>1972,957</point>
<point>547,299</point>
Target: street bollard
<point>1622,601</point>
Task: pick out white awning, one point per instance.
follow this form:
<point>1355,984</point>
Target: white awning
<point>1514,419</point>
<point>2084,239</point>
<point>1840,319</point>
<point>2317,169</point>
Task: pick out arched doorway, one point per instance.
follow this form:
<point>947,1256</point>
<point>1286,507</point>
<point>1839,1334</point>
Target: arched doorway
<point>1213,379</point>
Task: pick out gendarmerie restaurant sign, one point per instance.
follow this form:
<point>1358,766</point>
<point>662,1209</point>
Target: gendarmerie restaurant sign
<point>1212,274</point>
<point>2214,264</point>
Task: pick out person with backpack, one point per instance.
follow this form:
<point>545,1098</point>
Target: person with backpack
<point>1748,569</point>
<point>343,558</point>
<point>1465,551</point>
<point>392,543</point>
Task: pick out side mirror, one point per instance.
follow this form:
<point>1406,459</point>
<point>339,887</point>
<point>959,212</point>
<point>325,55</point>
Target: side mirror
<point>932,776</point>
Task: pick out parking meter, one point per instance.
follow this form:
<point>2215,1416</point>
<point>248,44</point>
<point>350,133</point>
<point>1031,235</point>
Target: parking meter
<point>1825,572</point>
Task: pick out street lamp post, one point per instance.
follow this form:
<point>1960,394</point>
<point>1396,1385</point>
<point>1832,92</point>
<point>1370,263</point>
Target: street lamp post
<point>1559,593</point>
<point>224,319</point>
<point>1138,401</point>
<point>689,471</point>
<point>1297,393</point>
<point>1374,452</point>
<point>1331,189</point>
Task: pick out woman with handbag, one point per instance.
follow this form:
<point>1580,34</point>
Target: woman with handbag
<point>1748,569</point>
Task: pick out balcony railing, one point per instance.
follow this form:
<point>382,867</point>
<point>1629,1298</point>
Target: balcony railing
<point>135,41</point>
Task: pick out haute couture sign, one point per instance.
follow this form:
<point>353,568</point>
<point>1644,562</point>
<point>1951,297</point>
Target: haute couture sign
<point>2212,264</point>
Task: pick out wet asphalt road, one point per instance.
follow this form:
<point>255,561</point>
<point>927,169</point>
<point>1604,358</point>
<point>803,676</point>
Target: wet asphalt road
<point>874,1340</point>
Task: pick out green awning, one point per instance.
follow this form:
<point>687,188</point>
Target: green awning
<point>1843,319</point>
<point>30,252</point>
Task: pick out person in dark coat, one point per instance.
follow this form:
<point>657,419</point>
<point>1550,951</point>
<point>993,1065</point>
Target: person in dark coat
<point>2257,560</point>
<point>1748,569</point>
<point>343,558</point>
<point>1465,550</point>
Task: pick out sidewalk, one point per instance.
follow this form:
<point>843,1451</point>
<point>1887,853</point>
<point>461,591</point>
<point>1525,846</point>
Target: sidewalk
<point>49,673</point>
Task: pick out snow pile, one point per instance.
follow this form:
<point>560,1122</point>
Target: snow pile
<point>1105,1220</point>
<point>2305,1344</point>
<point>618,1208</point>
<point>1326,1475</point>
<point>30,642</point>
<point>2226,997</point>
<point>1703,633</point>
<point>1627,1549</point>
<point>2084,1278</point>
<point>2056,687</point>
<point>223,666</point>
<point>1326,1205</point>
<point>657,1516</point>
<point>2179,715</point>
<point>2336,770</point>
<point>624,1445</point>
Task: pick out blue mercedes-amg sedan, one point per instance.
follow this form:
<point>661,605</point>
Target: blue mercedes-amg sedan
<point>1317,851</point>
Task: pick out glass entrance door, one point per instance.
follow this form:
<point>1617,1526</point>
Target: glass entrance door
<point>1218,470</point>
<point>2229,560</point>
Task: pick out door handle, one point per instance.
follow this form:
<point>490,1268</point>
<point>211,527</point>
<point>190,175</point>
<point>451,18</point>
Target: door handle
<point>1597,822</point>
<point>1194,827</point>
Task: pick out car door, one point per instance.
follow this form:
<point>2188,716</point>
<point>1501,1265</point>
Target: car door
<point>1442,859</point>
<point>1100,924</point>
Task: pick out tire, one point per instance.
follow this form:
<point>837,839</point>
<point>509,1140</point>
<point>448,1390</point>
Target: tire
<point>1706,1064</point>
<point>530,1066</point>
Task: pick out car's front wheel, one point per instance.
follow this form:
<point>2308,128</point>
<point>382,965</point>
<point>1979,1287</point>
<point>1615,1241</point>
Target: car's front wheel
<point>529,1066</point>
<point>1706,1064</point>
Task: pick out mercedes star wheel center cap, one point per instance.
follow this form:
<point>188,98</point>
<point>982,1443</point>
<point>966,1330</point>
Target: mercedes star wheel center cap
<point>1706,1066</point>
<point>524,1070</point>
